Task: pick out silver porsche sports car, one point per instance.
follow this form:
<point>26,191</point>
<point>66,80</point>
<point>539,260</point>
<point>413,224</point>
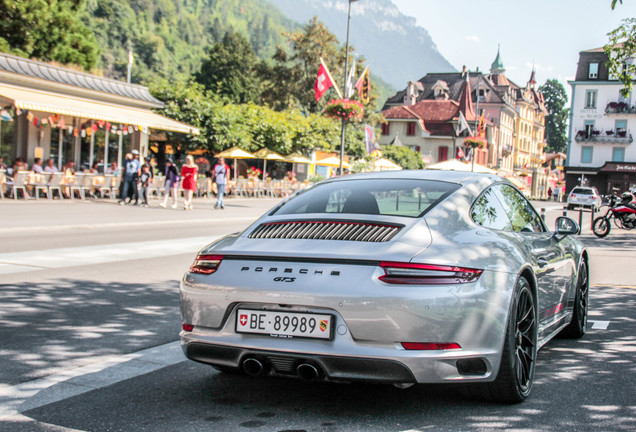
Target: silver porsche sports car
<point>399,277</point>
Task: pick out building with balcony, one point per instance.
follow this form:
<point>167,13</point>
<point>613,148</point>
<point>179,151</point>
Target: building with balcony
<point>600,152</point>
<point>426,117</point>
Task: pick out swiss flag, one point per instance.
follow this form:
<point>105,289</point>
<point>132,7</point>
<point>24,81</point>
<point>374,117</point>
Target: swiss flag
<point>243,320</point>
<point>323,81</point>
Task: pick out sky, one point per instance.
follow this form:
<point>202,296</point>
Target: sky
<point>548,33</point>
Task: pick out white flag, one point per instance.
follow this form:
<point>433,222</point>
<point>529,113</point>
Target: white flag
<point>350,78</point>
<point>463,125</point>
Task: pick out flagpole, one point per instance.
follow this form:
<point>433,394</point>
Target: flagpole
<point>472,153</point>
<point>344,122</point>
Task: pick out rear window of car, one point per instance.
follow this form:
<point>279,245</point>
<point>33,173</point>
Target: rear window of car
<point>582,191</point>
<point>390,197</point>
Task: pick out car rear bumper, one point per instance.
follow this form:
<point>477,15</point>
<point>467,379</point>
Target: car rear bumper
<point>373,364</point>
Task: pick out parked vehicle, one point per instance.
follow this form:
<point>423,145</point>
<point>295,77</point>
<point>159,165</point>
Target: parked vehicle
<point>399,277</point>
<point>620,209</point>
<point>582,196</point>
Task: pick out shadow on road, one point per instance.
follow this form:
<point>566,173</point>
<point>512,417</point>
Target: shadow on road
<point>60,323</point>
<point>581,385</point>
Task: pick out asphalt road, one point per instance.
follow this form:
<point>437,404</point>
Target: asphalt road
<point>89,322</point>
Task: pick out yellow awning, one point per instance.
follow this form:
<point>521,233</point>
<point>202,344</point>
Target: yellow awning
<point>57,103</point>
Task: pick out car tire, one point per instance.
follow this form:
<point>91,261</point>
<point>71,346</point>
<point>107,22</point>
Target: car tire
<point>518,360</point>
<point>576,328</point>
<point>570,207</point>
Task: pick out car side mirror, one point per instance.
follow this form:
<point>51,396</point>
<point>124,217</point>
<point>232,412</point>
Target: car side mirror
<point>565,226</point>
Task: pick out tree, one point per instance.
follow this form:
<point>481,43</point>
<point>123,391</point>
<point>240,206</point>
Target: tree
<point>230,70</point>
<point>48,30</point>
<point>556,101</point>
<point>403,156</point>
<point>621,50</point>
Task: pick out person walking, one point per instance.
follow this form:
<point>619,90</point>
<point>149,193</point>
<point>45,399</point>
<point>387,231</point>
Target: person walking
<point>189,173</point>
<point>131,176</point>
<point>172,182</point>
<point>144,182</point>
<point>220,174</point>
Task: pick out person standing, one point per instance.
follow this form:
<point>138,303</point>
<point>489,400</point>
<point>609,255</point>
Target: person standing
<point>144,182</point>
<point>189,173</point>
<point>130,177</point>
<point>220,173</point>
<point>172,181</point>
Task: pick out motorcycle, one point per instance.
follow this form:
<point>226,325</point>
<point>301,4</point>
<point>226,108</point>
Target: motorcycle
<point>622,211</point>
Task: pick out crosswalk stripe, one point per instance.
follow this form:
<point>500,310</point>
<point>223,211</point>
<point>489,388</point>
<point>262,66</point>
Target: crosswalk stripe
<point>17,262</point>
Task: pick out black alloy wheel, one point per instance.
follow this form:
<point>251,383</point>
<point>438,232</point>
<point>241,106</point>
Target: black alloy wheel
<point>601,227</point>
<point>578,325</point>
<point>518,360</point>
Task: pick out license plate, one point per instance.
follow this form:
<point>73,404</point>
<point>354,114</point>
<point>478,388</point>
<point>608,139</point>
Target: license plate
<point>284,324</point>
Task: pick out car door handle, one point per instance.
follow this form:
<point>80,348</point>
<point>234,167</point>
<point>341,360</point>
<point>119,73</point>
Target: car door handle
<point>542,263</point>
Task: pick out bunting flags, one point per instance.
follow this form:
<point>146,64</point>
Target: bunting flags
<point>364,86</point>
<point>324,81</point>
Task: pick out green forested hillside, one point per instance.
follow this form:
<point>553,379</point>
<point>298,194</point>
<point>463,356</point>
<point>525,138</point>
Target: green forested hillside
<point>169,37</point>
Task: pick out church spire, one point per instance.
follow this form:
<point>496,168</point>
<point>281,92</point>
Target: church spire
<point>497,66</point>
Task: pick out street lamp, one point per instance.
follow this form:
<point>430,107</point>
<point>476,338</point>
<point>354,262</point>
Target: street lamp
<point>344,122</point>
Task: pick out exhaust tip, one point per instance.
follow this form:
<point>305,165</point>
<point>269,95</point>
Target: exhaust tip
<point>253,367</point>
<point>308,372</point>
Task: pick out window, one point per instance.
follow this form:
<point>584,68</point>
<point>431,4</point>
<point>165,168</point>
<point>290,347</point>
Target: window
<point>618,154</point>
<point>621,128</point>
<point>410,128</point>
<point>589,127</point>
<point>590,99</point>
<point>586,154</point>
<point>488,212</point>
<point>442,154</point>
<point>481,95</point>
<point>408,198</point>
<point>523,218</point>
<point>385,128</point>
<point>593,71</point>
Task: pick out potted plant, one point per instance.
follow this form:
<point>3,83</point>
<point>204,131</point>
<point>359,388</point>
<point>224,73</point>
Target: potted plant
<point>253,173</point>
<point>475,142</point>
<point>344,109</point>
<point>609,132</point>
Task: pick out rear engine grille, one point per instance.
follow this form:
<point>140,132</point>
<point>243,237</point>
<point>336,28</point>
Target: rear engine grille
<point>318,230</point>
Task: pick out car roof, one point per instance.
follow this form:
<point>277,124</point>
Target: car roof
<point>459,177</point>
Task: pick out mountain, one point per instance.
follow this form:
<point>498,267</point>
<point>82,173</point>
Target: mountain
<point>395,47</point>
<point>170,37</point>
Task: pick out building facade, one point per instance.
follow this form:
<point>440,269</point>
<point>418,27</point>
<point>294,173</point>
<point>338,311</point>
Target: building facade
<point>600,152</point>
<point>62,114</point>
<point>426,117</point>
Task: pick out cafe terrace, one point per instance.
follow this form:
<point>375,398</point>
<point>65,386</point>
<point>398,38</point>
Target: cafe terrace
<point>53,112</point>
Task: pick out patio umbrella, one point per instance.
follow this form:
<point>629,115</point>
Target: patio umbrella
<point>450,165</point>
<point>235,153</point>
<point>267,154</point>
<point>297,158</point>
<point>333,162</point>
<point>482,169</point>
<point>384,164</point>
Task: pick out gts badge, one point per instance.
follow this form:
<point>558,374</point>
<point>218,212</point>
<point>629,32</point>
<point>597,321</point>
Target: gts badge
<point>284,279</point>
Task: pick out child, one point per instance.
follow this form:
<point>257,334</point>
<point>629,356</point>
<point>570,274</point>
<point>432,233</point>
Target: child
<point>145,182</point>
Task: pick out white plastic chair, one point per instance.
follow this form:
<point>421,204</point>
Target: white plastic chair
<point>76,185</point>
<point>54,185</point>
<point>19,182</point>
<point>42,185</point>
<point>106,186</point>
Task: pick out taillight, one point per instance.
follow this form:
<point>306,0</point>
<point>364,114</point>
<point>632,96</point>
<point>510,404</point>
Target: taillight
<point>187,327</point>
<point>426,274</point>
<point>206,264</point>
<point>429,346</point>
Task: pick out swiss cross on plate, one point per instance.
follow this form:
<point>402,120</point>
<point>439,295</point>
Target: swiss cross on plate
<point>243,320</point>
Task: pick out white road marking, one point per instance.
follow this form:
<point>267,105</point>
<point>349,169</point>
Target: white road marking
<point>599,325</point>
<point>51,228</point>
<point>33,394</point>
<point>17,262</point>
